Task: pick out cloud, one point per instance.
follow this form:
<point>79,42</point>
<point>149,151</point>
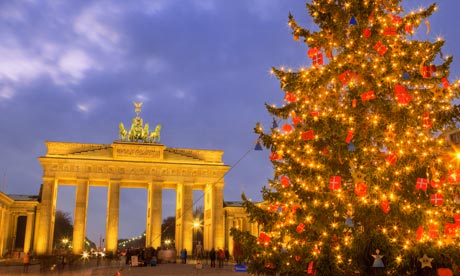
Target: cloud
<point>87,106</point>
<point>142,98</point>
<point>6,93</point>
<point>90,25</point>
<point>74,63</point>
<point>17,65</point>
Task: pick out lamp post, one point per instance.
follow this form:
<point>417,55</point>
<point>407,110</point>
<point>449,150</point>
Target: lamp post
<point>196,224</point>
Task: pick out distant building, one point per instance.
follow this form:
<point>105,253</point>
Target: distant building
<point>17,223</point>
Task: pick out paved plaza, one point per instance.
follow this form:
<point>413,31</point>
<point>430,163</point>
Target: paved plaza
<point>16,269</point>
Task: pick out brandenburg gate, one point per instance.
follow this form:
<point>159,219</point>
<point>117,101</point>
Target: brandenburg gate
<point>137,160</point>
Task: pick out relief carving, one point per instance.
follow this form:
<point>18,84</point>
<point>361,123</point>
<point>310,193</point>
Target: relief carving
<point>123,152</point>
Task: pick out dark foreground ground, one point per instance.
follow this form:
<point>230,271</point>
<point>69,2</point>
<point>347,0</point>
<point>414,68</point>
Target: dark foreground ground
<point>92,269</point>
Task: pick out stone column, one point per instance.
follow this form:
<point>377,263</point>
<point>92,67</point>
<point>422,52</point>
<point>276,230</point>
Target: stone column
<point>230,237</point>
<point>184,217</point>
<point>214,216</point>
<point>47,216</point>
<point>80,211</point>
<point>218,215</point>
<point>113,208</point>
<point>154,215</point>
<point>3,230</point>
<point>187,213</point>
<point>28,234</point>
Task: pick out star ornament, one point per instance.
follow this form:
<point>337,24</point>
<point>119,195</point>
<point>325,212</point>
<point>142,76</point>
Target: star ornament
<point>426,261</point>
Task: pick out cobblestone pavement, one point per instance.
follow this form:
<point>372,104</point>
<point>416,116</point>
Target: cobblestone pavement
<point>110,270</point>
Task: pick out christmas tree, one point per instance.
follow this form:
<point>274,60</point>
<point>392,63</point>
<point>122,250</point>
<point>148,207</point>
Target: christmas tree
<point>365,177</point>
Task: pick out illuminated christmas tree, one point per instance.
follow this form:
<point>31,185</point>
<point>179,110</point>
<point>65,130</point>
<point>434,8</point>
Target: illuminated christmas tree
<point>365,178</point>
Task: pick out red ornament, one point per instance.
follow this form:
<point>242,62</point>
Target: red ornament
<point>385,206</point>
<point>290,97</point>
<point>419,233</point>
<point>435,183</point>
<point>324,151</point>
<point>428,70</point>
<point>401,94</point>
<point>426,120</point>
<point>275,156</point>
<point>449,229</point>
<point>445,83</point>
<point>296,119</point>
<point>453,177</point>
<point>457,219</point>
<point>308,135</point>
<point>287,128</point>
<point>391,158</point>
<point>264,238</point>
<point>294,209</point>
<point>313,52</point>
<point>314,114</point>
<point>273,207</point>
<point>436,199</point>
<point>396,20</point>
<point>300,228</point>
<point>370,95</point>
<point>390,31</point>
<point>409,29</point>
<point>353,103</point>
<point>421,184</point>
<point>349,136</point>
<point>311,269</point>
<point>360,189</point>
<point>297,258</point>
<point>444,271</point>
<point>285,182</point>
<point>433,231</point>
<point>318,60</point>
<point>334,182</point>
<point>346,77</point>
<point>380,48</point>
<point>367,33</point>
<point>316,55</point>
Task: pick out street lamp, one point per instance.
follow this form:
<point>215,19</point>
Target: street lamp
<point>167,243</point>
<point>196,227</point>
<point>65,241</point>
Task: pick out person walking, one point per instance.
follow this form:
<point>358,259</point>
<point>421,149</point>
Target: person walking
<point>26,261</point>
<point>183,255</point>
<point>212,257</point>
<point>220,257</point>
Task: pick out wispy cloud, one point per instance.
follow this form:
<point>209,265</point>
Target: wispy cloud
<point>6,93</point>
<point>74,63</point>
<point>17,65</point>
<point>91,25</point>
<point>87,106</point>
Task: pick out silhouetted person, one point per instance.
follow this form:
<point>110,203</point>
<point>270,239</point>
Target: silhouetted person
<point>26,261</point>
<point>220,257</point>
<point>212,257</point>
<point>183,255</point>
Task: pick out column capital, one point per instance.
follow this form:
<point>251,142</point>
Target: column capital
<point>48,178</point>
